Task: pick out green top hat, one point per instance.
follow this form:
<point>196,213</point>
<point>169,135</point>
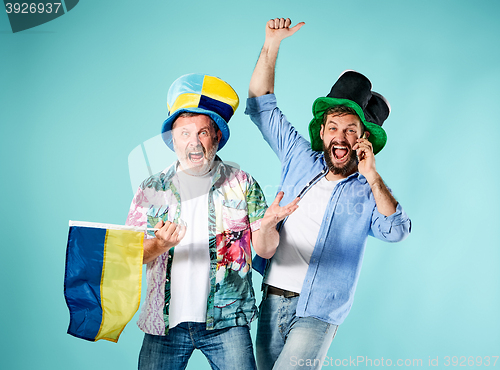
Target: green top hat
<point>353,90</point>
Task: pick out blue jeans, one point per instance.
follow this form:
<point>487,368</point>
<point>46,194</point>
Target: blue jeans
<point>285,341</point>
<point>229,348</point>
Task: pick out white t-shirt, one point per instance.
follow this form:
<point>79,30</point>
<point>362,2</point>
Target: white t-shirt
<point>190,275</point>
<point>298,237</point>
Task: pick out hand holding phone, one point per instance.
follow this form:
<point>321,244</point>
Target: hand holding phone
<point>362,153</point>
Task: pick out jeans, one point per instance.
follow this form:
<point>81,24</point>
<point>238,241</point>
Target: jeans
<point>229,348</point>
<point>285,341</point>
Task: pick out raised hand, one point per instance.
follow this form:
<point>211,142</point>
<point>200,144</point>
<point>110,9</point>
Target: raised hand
<point>386,204</point>
<point>275,213</point>
<point>279,28</point>
<point>366,159</point>
<point>266,239</point>
<point>262,81</point>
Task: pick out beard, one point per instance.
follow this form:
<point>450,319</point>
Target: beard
<point>346,169</point>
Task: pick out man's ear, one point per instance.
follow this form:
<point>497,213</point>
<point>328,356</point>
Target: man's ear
<point>367,134</point>
<point>321,131</point>
<point>219,135</point>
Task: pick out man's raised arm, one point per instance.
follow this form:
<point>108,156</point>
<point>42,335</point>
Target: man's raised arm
<point>262,81</point>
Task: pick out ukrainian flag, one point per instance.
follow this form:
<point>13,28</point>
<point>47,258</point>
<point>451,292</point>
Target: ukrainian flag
<point>102,282</point>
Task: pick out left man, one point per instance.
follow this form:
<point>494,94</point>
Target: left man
<point>200,293</point>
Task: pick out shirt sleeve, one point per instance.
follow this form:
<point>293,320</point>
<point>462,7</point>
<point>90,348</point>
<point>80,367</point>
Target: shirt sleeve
<point>393,228</point>
<point>137,215</point>
<point>277,131</point>
<point>256,203</point>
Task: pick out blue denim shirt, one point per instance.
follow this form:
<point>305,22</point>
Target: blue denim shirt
<point>328,289</point>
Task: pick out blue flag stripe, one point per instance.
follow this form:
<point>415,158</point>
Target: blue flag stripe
<point>82,283</point>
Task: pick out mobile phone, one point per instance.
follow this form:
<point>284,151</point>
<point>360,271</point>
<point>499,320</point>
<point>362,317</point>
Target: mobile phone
<point>362,137</point>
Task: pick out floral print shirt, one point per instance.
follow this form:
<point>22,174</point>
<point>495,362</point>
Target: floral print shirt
<point>236,206</point>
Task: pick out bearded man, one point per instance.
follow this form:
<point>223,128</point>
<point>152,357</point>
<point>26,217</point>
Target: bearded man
<point>310,277</point>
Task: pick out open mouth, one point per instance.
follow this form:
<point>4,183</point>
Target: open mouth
<point>196,157</point>
<point>340,153</point>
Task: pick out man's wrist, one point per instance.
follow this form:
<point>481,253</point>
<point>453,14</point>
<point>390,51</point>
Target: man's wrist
<point>373,178</point>
<point>160,245</point>
<point>268,226</point>
<point>271,45</point>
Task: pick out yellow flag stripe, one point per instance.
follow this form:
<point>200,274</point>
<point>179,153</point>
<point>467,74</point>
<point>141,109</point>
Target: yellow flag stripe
<point>121,281</point>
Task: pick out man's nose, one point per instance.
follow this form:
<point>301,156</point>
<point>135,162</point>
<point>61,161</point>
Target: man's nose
<point>341,135</point>
<point>194,141</point>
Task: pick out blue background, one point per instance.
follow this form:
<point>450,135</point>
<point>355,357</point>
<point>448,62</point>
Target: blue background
<point>79,93</point>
